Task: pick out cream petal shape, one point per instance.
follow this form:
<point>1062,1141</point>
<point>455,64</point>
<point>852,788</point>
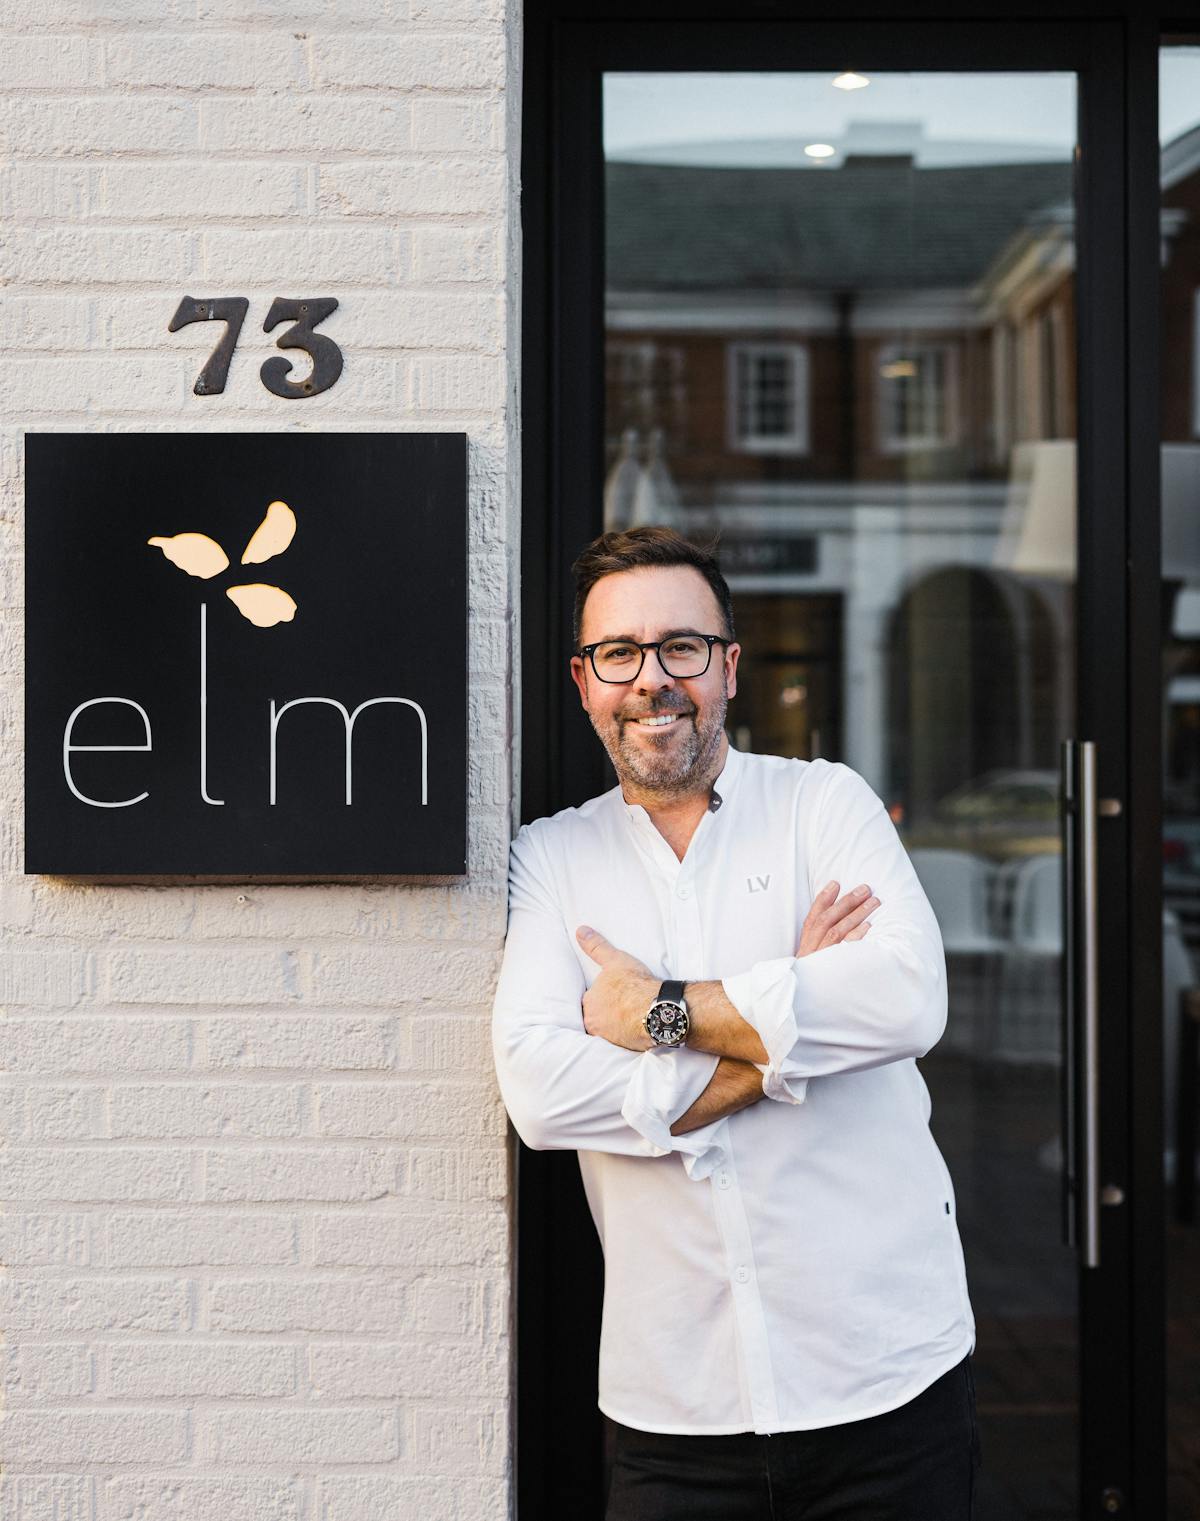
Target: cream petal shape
<point>272,536</point>
<point>263,605</point>
<point>194,552</point>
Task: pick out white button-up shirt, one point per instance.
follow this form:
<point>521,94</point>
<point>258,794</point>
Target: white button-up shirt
<point>796,1264</point>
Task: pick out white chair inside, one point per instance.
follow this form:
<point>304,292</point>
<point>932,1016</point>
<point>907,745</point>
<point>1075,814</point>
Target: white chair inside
<point>958,886</point>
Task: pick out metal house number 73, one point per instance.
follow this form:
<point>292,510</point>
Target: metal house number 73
<point>276,372</point>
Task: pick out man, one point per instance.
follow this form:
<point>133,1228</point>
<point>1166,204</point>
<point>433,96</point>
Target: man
<point>786,1325</point>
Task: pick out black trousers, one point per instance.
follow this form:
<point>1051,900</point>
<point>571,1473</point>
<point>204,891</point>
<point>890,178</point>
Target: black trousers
<point>915,1463</point>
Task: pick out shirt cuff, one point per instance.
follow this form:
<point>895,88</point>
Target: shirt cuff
<point>765,998</point>
<point>665,1084</point>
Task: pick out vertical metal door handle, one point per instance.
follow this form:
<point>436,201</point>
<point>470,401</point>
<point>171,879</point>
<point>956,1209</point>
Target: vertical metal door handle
<point>1070,985</point>
<point>1080,1003</point>
<point>1089,970</point>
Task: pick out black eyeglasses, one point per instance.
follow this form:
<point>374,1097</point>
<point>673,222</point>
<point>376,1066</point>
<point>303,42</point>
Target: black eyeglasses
<point>680,655</point>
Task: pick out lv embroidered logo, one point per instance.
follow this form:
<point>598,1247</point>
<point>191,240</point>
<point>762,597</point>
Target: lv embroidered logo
<point>758,884</point>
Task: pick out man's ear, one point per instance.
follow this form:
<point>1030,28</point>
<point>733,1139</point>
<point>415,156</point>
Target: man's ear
<point>731,659</point>
<point>579,677</point>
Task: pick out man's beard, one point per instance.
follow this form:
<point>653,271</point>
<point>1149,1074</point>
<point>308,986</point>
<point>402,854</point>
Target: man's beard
<point>675,768</point>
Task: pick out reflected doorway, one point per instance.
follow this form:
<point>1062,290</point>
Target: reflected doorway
<point>789,699</point>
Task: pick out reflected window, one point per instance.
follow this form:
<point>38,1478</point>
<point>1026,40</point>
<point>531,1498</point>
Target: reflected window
<point>645,382</point>
<point>916,396</point>
<point>769,397</point>
<point>631,373</point>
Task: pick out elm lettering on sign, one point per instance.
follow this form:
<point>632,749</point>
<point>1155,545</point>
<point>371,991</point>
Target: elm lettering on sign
<point>175,731</point>
<point>304,314</point>
<point>69,747</point>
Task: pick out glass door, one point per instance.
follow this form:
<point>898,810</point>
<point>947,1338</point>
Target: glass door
<point>840,333</point>
<point>1179,123</point>
<point>856,299</point>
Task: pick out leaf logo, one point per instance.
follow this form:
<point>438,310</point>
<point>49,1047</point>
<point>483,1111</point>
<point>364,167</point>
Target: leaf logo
<point>201,556</point>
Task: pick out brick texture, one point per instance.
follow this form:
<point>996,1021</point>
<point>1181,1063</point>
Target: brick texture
<point>255,1215</point>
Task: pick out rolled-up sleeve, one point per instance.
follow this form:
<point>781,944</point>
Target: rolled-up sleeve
<point>861,1003</point>
<point>563,1088</point>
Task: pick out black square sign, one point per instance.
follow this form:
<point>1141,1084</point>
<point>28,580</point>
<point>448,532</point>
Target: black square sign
<point>246,654</point>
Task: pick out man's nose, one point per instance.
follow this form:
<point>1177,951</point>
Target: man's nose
<point>652,677</point>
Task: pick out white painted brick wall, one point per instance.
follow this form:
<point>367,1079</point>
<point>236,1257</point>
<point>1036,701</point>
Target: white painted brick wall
<point>256,1238</point>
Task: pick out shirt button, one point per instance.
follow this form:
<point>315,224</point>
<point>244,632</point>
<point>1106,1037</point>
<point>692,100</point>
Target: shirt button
<point>723,1178</point>
<point>683,891</point>
<point>742,1275</point>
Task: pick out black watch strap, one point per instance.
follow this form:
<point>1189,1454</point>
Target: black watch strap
<point>670,992</point>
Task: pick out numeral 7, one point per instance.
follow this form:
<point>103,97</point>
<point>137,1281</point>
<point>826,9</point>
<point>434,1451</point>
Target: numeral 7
<point>231,310</point>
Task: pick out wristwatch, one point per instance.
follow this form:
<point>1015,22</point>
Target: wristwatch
<point>666,1021</point>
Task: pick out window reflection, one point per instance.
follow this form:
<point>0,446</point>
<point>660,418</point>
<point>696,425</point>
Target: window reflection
<point>859,368</point>
<point>1179,128</point>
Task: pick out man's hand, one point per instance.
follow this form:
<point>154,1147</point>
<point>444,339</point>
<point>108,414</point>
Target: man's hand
<point>831,919</point>
<point>616,1003</point>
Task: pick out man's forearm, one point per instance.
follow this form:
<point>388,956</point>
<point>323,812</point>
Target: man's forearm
<point>615,1005</point>
<point>734,1085</point>
<point>714,1024</point>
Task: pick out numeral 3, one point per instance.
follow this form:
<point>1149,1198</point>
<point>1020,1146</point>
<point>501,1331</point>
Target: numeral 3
<point>325,354</point>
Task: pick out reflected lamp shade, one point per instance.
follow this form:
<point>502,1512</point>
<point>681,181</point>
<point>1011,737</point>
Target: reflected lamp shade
<point>1037,531</point>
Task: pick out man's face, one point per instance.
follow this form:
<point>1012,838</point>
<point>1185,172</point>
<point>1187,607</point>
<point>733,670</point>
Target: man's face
<point>639,605</point>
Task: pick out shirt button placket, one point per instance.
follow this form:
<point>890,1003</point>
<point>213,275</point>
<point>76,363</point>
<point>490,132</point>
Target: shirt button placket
<point>730,1209</point>
<point>747,1302</point>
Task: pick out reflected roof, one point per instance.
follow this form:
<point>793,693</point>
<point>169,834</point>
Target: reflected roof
<point>874,223</point>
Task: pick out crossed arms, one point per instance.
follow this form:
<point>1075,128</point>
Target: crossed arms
<point>573,1063</point>
<point>614,1005</point>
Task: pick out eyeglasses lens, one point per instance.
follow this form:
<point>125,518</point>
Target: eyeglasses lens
<point>682,657</point>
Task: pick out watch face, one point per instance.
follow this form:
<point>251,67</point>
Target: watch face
<point>667,1024</point>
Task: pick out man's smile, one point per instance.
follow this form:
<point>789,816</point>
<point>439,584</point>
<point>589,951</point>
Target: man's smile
<point>655,720</point>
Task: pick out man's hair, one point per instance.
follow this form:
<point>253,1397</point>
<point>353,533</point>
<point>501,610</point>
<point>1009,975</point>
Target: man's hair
<point>648,545</point>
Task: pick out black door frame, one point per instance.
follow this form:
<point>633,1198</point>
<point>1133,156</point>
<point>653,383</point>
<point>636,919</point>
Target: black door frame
<point>567,48</point>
